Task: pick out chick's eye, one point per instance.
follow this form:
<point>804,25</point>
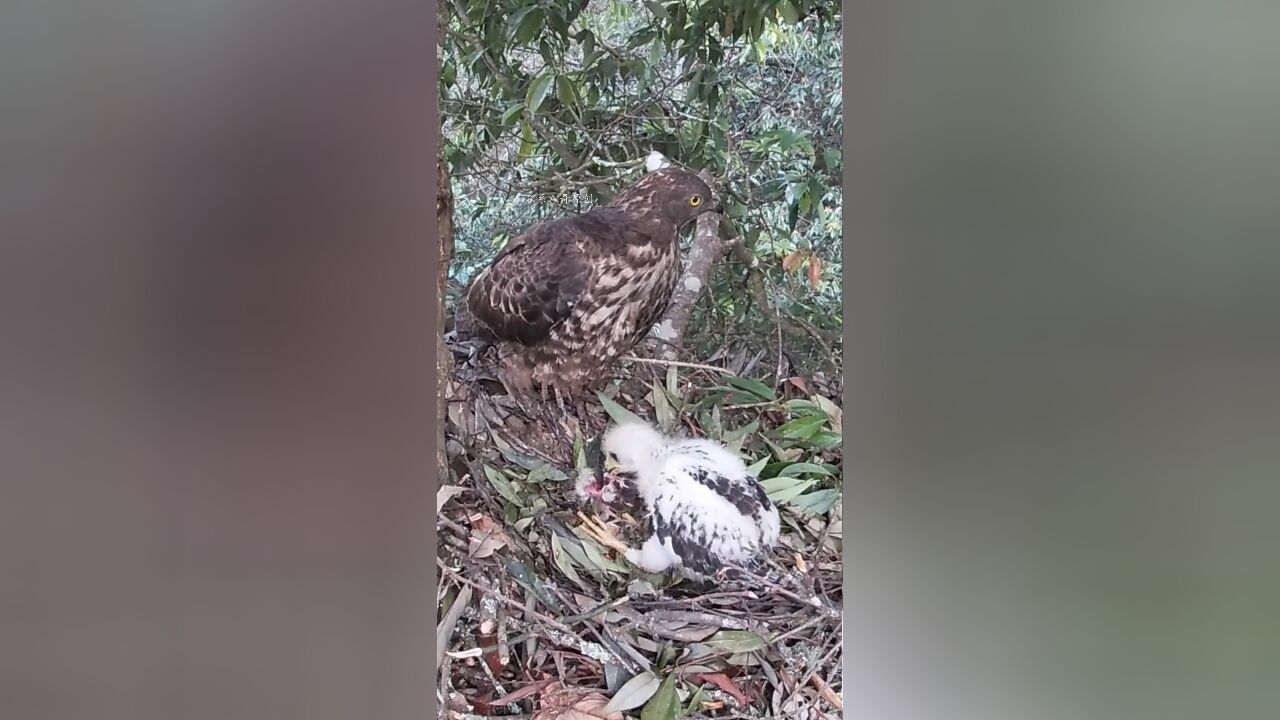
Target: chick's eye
<point>696,200</point>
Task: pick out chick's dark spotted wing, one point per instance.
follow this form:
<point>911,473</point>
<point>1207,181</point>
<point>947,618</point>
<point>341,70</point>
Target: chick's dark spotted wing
<point>746,496</point>
<point>687,537</point>
<point>532,285</point>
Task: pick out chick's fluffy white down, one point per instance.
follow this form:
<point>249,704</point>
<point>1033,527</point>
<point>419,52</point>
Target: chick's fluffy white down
<point>705,510</point>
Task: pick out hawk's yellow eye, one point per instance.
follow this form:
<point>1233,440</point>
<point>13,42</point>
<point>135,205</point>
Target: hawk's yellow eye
<point>696,200</point>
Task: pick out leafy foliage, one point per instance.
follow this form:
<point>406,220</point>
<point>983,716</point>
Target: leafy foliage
<point>551,106</point>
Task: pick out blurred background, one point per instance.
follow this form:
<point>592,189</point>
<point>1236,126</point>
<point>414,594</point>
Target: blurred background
<point>216,389</point>
<point>1062,407</point>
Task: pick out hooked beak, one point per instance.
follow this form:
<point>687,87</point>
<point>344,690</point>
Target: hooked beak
<point>610,466</point>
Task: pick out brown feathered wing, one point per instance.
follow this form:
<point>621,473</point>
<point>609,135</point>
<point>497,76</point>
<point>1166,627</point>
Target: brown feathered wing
<point>531,286</point>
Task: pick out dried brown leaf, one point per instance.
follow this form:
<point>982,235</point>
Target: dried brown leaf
<point>815,271</point>
<point>723,682</point>
<point>445,493</point>
<point>561,703</point>
<point>792,260</point>
<point>487,536</point>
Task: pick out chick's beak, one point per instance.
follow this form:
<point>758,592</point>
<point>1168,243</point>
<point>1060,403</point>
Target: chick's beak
<point>610,466</point>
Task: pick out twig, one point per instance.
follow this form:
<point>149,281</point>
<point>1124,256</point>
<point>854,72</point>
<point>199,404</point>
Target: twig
<point>795,631</point>
<point>455,575</point>
<point>678,363</point>
<point>813,602</point>
<point>836,647</point>
<point>826,692</point>
<point>534,631</point>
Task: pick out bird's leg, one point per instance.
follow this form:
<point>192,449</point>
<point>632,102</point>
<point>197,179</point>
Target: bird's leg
<point>521,402</point>
<point>601,534</point>
<point>559,394</point>
<point>584,417</point>
<point>556,423</point>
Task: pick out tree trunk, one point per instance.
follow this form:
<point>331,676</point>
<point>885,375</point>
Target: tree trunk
<point>705,251</point>
<point>444,359</point>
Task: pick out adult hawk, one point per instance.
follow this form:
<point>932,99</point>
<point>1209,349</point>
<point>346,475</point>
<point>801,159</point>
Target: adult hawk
<point>567,297</point>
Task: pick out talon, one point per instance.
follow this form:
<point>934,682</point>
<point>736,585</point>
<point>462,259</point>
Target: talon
<point>601,534</point>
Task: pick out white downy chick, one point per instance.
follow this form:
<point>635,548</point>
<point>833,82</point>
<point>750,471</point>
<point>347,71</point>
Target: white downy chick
<point>706,512</point>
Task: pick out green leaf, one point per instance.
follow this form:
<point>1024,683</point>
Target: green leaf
<point>516,17</point>
<point>640,37</point>
<point>579,452</point>
<point>538,90</point>
<point>565,92</point>
<point>656,54</point>
<point>558,23</point>
<point>596,555</point>
<point>786,495</point>
<point>824,440</point>
<point>694,698</point>
<point>504,487</point>
<point>588,46</point>
<point>527,141</point>
<point>619,414</point>
<point>737,397</point>
<point>801,427</point>
<point>562,560</point>
<point>817,502</point>
<point>715,428</point>
<point>577,551</point>
<point>512,113</point>
<point>664,705</point>
<point>544,472</point>
<point>735,641</point>
<point>658,10</point>
<point>798,469</point>
<point>607,68</point>
<point>754,387</point>
<point>802,407</point>
<point>779,483</point>
<point>755,467</point>
<point>634,693</point>
<point>528,462</point>
<point>734,438</point>
<point>530,25</point>
<point>662,408</point>
<point>787,454</point>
